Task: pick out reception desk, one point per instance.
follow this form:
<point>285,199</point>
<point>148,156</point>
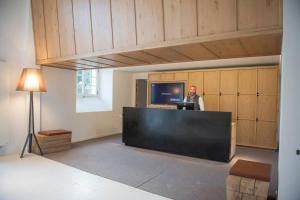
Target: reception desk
<point>208,135</point>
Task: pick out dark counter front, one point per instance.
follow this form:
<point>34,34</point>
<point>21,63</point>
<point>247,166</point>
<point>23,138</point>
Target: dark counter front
<point>192,133</point>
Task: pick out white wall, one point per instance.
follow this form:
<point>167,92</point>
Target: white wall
<point>58,107</point>
<point>289,162</point>
<point>16,52</point>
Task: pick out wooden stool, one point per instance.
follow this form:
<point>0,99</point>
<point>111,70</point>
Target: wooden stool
<point>53,141</point>
<point>248,180</point>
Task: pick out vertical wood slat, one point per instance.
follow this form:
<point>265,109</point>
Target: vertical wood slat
<point>123,21</point>
<point>180,19</point>
<point>39,29</point>
<point>149,21</point>
<point>66,28</point>
<point>102,25</point>
<point>52,29</point>
<point>82,26</point>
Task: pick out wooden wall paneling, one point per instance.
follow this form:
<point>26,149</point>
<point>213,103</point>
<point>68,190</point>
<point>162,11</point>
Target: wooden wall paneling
<point>196,79</point>
<point>247,81</point>
<point>180,19</point>
<point>124,59</point>
<point>228,82</point>
<point>101,24</point>
<point>247,107</point>
<point>149,21</point>
<point>165,76</point>
<point>267,107</point>
<point>267,79</point>
<point>39,29</point>
<point>228,103</point>
<point>154,77</point>
<point>106,61</point>
<point>147,58</point>
<point>254,14</point>
<point>266,134</point>
<point>181,76</point>
<point>82,26</point>
<point>52,29</point>
<point>66,28</point>
<point>246,131</point>
<point>229,48</point>
<point>211,82</point>
<point>168,54</point>
<point>216,16</point>
<point>211,102</point>
<point>195,52</point>
<point>262,45</point>
<point>123,21</point>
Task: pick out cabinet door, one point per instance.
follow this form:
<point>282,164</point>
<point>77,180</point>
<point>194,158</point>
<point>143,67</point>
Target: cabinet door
<point>82,26</point>
<point>246,130</point>
<point>254,14</point>
<point>228,103</point>
<point>181,76</point>
<point>66,28</point>
<point>149,21</point>
<point>228,82</point>
<point>154,77</point>
<point>123,20</point>
<point>216,16</point>
<point>266,135</point>
<point>211,102</point>
<point>101,23</point>
<point>211,82</point>
<point>39,29</point>
<point>267,80</point>
<point>196,79</point>
<point>247,107</point>
<point>52,32</point>
<point>267,108</point>
<point>247,81</point>
<point>180,19</point>
<point>167,76</point>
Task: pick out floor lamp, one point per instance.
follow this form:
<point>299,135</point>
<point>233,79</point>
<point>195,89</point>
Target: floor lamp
<point>31,80</point>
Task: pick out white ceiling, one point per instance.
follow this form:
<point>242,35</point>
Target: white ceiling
<point>232,62</point>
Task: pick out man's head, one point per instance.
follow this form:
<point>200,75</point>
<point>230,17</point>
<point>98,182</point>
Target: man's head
<point>193,90</point>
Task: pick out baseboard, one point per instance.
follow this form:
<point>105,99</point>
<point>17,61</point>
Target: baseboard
<point>75,140</point>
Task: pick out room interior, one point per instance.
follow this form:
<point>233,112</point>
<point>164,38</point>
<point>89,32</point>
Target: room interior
<point>107,94</point>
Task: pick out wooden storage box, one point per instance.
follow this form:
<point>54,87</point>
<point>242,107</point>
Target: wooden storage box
<point>53,141</point>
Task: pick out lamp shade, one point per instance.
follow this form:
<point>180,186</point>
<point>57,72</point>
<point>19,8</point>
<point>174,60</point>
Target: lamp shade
<point>32,80</point>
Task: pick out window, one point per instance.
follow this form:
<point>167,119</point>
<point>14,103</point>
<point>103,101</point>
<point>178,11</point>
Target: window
<point>87,83</point>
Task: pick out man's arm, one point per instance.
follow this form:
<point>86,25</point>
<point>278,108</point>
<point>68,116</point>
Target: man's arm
<point>201,103</point>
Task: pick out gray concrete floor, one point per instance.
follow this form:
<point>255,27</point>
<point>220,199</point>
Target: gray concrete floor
<point>168,175</point>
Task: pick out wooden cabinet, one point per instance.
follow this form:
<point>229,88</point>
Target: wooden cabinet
<point>266,134</point>
<point>196,79</point>
<point>247,81</point>
<point>255,14</point>
<point>154,77</point>
<point>247,107</point>
<point>123,21</point>
<point>167,77</point>
<point>66,28</point>
<point>211,82</point>
<point>82,26</point>
<point>39,29</point>
<point>246,130</point>
<point>181,76</point>
<point>228,82</point>
<point>267,81</point>
<point>216,16</point>
<point>51,28</point>
<point>101,23</point>
<point>267,108</point>
<point>149,21</point>
<point>228,103</point>
<point>211,102</point>
<point>180,19</point>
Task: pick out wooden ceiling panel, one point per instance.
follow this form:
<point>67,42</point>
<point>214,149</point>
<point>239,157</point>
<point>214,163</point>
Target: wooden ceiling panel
<point>195,52</point>
<point>262,45</point>
<point>123,59</point>
<point>105,61</point>
<point>61,66</point>
<point>231,48</point>
<point>89,63</point>
<point>168,54</point>
<point>145,57</point>
<point>77,65</point>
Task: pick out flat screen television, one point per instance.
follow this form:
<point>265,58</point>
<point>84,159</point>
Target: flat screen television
<point>167,93</point>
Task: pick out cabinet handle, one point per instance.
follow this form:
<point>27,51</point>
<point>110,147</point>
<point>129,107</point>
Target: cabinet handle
<point>220,94</point>
<point>238,94</point>
<point>256,119</point>
<point>257,94</point>
<point>203,93</point>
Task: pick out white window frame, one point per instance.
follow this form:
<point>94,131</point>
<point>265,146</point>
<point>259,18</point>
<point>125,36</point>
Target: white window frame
<point>83,90</point>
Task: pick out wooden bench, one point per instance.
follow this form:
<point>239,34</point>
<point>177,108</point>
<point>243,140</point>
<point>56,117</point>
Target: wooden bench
<point>53,141</point>
<point>248,180</point>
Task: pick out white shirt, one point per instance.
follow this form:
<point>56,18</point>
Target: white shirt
<point>201,102</point>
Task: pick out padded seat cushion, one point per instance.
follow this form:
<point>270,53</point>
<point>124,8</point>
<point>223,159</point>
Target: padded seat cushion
<point>250,169</point>
<point>54,132</point>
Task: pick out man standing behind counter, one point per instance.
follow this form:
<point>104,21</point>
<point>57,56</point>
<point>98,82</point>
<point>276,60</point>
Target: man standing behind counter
<point>194,98</point>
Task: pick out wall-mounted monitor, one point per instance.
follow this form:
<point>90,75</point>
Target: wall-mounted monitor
<point>167,93</point>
